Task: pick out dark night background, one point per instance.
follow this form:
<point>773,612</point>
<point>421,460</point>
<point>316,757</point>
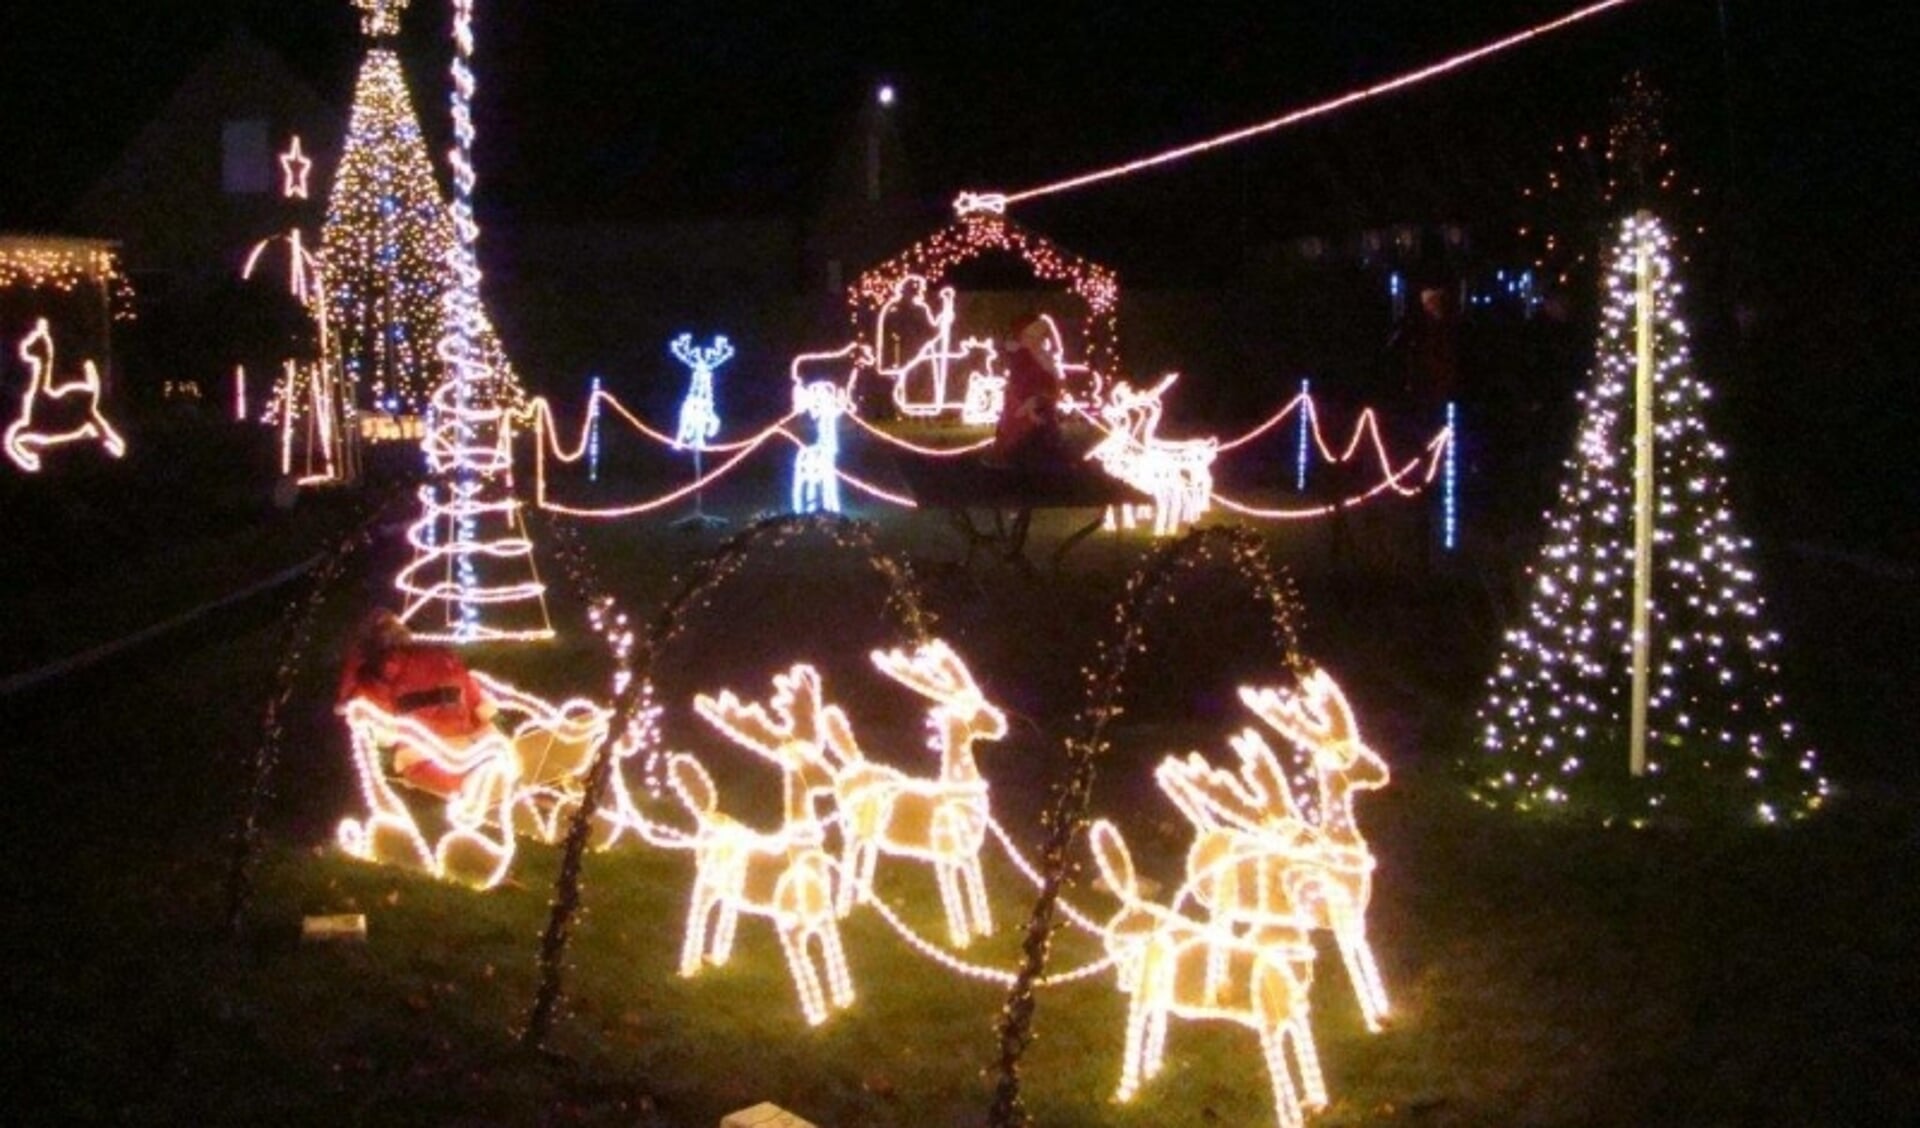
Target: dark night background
<point>606,111</point>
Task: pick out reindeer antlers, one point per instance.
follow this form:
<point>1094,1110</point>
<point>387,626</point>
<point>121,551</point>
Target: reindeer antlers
<point>803,717</point>
<point>1255,798</point>
<point>1316,717</point>
<point>931,669</point>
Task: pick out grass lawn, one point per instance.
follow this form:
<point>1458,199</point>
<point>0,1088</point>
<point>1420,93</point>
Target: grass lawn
<point>1540,974</point>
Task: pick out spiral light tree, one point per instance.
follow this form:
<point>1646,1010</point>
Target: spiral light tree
<point>472,577</point>
<point>1641,686</point>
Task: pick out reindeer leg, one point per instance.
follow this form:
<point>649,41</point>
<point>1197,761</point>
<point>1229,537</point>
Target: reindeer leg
<point>1138,1010</point>
<point>1286,1099</point>
<point>1307,1055</point>
<point>839,979</point>
<point>805,981</point>
<point>950,896</point>
<point>1361,970</point>
<point>723,931</point>
<point>977,897</point>
<point>693,947</point>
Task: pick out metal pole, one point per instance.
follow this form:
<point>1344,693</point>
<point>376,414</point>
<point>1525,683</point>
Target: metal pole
<point>1642,494</point>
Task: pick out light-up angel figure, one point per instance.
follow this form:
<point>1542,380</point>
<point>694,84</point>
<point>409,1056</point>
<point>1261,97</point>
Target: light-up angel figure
<point>54,412</point>
<point>1257,857</point>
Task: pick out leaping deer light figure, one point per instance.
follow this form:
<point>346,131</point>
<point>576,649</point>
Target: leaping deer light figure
<point>26,436</point>
<point>1171,966</point>
<point>1256,857</point>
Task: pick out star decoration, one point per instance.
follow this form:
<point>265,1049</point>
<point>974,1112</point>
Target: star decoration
<point>294,167</point>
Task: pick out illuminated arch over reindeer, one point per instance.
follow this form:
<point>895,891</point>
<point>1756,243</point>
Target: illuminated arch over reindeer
<point>975,233</point>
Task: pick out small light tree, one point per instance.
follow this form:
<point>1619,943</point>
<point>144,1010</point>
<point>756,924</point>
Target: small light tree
<point>1642,683</point>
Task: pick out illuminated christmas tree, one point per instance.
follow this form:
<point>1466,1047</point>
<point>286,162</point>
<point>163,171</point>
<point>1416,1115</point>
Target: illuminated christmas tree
<point>1667,709</point>
<point>388,233</point>
<point>472,577</point>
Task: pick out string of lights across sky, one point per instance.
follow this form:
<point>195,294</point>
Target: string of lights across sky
<point>1000,201</point>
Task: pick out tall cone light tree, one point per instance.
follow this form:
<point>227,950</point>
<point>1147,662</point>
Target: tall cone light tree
<point>387,234</point>
<point>1642,685</point>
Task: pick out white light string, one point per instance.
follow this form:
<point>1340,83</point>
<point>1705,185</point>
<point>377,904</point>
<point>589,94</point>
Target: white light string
<point>997,202</point>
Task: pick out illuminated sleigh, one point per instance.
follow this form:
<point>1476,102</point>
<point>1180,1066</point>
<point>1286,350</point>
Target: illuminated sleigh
<point>523,776</point>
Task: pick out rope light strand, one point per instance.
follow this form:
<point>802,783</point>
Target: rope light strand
<point>996,202</point>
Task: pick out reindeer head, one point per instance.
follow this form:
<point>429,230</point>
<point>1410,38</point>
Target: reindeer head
<point>799,741</point>
<point>1137,920</point>
<point>1318,720</point>
<point>961,715</point>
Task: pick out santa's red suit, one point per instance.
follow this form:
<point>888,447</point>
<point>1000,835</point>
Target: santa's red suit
<point>431,685</point>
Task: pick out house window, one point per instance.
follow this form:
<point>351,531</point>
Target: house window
<point>246,160</point>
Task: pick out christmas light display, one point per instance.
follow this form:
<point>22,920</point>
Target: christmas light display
<point>785,876</point>
<point>816,466</point>
<point>473,557</point>
<point>1261,860</point>
<point>699,420</point>
<point>1301,443</point>
<point>1571,211</point>
<point>523,778</point>
<point>975,233</point>
<point>387,236</point>
<point>941,821</point>
<point>1177,474</point>
<point>294,169</point>
<point>64,266</point>
<point>380,19</point>
<point>309,399</point>
<point>1150,586</point>
<point>53,411</point>
<point>593,431</point>
<point>913,346</point>
<point>1450,483</point>
<point>996,203</point>
<point>1172,966</point>
<point>1560,712</point>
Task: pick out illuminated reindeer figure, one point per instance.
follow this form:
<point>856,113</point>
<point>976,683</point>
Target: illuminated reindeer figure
<point>1173,966</point>
<point>1256,857</point>
<point>816,466</point>
<point>26,436</point>
<point>941,821</point>
<point>1177,473</point>
<point>785,876</point>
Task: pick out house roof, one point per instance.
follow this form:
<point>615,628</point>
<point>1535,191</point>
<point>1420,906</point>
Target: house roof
<point>163,199</point>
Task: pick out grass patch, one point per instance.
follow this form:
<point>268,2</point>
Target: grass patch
<point>1541,973</point>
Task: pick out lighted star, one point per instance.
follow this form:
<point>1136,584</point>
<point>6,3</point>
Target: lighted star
<point>294,167</point>
<point>379,18</point>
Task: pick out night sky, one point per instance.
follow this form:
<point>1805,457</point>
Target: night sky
<point>601,109</point>
<point>630,111</point>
